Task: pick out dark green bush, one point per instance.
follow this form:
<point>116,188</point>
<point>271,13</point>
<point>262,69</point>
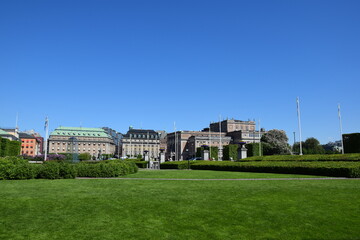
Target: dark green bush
<point>138,162</point>
<point>230,152</point>
<point>18,168</point>
<point>109,168</point>
<point>49,170</point>
<point>175,165</point>
<point>315,157</point>
<point>334,169</point>
<point>84,156</point>
<point>9,148</point>
<point>351,143</point>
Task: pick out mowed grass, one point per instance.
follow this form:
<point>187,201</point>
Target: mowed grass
<point>207,174</point>
<point>151,209</point>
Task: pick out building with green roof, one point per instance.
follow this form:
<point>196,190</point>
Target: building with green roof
<point>88,140</point>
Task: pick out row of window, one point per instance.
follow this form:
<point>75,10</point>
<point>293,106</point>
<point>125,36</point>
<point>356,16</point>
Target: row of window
<point>84,149</point>
<point>94,144</point>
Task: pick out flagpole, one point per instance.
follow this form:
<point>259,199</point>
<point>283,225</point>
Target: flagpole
<point>46,137</point>
<point>259,139</point>
<point>209,142</point>
<point>299,123</point>
<point>175,141</point>
<point>220,147</point>
<point>341,132</point>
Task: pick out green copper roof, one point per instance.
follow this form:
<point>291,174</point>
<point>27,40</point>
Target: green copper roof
<point>2,132</point>
<point>79,132</point>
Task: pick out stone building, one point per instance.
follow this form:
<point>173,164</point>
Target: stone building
<point>7,135</point>
<point>88,140</point>
<point>116,136</point>
<point>181,145</point>
<point>231,125</point>
<point>136,141</point>
<point>10,133</point>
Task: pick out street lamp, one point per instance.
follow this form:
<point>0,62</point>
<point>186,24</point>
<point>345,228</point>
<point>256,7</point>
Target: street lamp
<point>187,150</point>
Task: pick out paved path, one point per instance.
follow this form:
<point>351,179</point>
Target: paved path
<point>234,179</point>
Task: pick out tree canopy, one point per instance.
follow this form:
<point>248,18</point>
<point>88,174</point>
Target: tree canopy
<point>277,142</point>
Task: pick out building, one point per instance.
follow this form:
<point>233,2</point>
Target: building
<point>163,139</point>
<point>11,133</point>
<point>232,125</point>
<point>116,136</point>
<point>38,137</point>
<point>30,145</point>
<point>95,141</point>
<point>7,135</point>
<point>182,145</point>
<point>136,141</point>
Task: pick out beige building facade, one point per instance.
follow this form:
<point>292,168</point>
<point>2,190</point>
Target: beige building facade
<point>136,141</point>
<point>80,140</point>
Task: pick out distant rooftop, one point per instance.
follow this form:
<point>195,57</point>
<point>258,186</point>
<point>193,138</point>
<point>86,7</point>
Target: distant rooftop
<point>79,132</point>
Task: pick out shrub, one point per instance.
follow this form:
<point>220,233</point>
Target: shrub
<point>9,148</point>
<point>175,165</point>
<point>18,168</point>
<point>334,169</point>
<point>84,156</point>
<point>314,157</point>
<point>106,169</point>
<point>351,143</point>
<point>230,152</point>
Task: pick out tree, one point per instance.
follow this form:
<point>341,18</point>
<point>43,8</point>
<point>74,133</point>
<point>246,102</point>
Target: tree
<point>278,142</point>
<point>312,146</point>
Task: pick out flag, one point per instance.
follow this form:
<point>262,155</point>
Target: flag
<point>339,114</point>
<point>46,123</point>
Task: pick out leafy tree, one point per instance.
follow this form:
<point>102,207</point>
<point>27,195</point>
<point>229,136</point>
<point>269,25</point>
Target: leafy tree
<point>312,146</point>
<point>278,142</point>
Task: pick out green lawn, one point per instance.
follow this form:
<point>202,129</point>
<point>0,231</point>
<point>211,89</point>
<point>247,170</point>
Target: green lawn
<point>207,174</point>
<point>150,209</point>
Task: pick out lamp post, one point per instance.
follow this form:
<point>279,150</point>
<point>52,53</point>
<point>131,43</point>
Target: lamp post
<point>187,150</point>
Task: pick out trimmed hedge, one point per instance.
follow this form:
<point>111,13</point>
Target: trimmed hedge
<point>16,168</point>
<point>315,157</point>
<point>351,142</point>
<point>334,169</point>
<point>9,148</point>
<point>139,163</point>
<point>176,165</point>
<point>230,151</point>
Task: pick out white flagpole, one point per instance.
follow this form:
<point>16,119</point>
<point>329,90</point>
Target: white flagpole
<point>341,132</point>
<point>130,147</point>
<point>46,137</point>
<point>209,142</point>
<point>220,146</point>
<point>259,139</point>
<point>299,122</point>
<point>175,141</point>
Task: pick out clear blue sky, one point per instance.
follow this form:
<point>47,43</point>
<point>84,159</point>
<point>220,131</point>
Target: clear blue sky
<point>150,63</point>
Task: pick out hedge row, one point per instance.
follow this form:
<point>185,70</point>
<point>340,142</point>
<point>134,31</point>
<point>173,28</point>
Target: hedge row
<point>334,169</point>
<point>139,163</point>
<point>9,148</point>
<point>315,157</point>
<point>176,165</point>
<point>15,168</point>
